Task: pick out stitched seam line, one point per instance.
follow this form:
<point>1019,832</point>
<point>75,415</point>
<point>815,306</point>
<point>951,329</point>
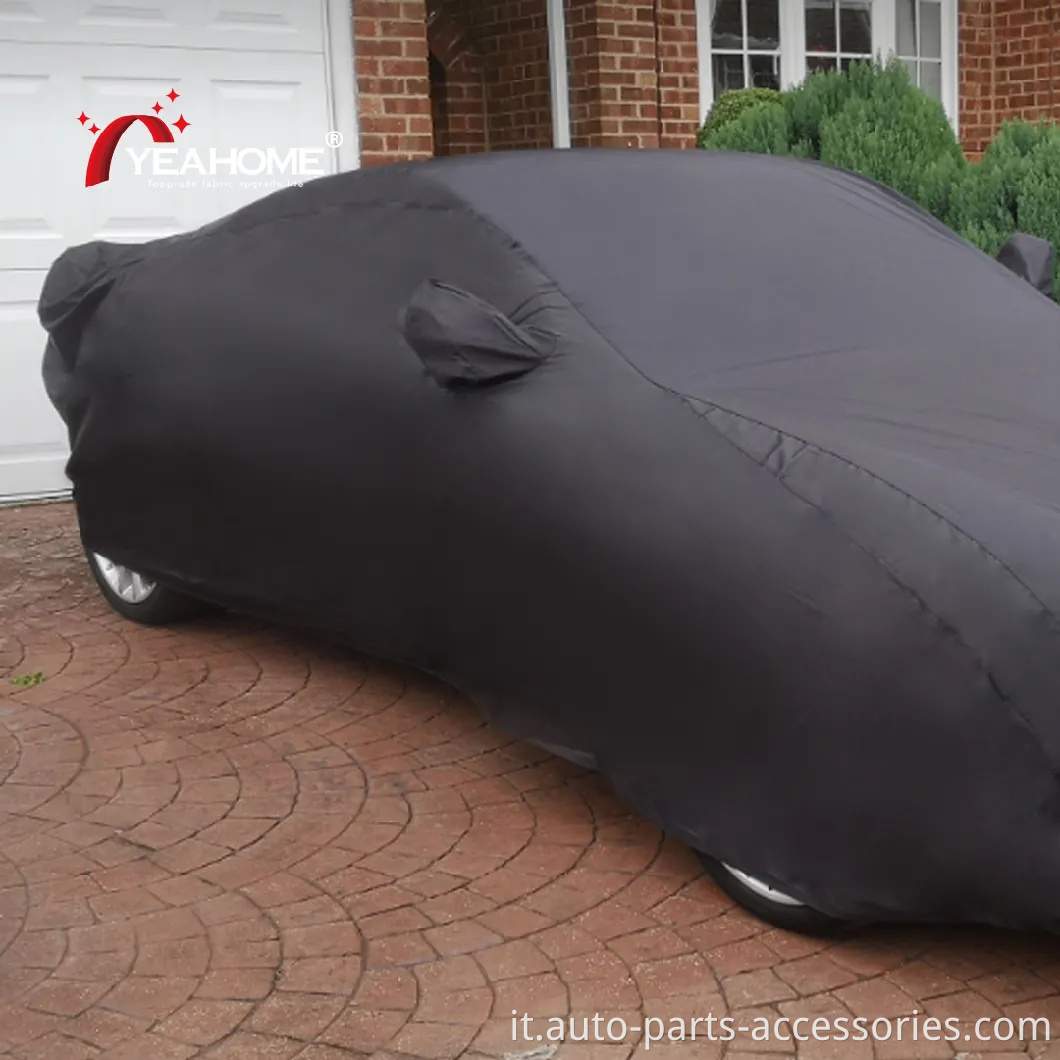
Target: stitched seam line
<point>891,574</point>
<point>686,398</point>
<point>686,401</point>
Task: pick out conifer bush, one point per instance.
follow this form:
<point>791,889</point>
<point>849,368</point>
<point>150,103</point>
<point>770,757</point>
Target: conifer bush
<point>872,120</point>
<point>730,105</point>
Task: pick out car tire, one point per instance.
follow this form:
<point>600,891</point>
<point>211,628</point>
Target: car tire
<point>138,597</point>
<point>769,904</point>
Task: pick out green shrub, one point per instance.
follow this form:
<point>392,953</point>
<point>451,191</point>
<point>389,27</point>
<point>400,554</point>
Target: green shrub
<point>1013,189</point>
<point>1038,203</point>
<point>820,97</point>
<point>892,132</point>
<point>872,120</point>
<point>1014,144</point>
<point>729,106</point>
<point>979,208</point>
<point>761,129</point>
<point>993,192</point>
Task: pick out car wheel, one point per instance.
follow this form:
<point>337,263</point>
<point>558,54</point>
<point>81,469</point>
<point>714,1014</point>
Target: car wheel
<point>766,902</point>
<point>138,597</point>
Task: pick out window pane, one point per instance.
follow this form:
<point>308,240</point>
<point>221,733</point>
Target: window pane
<point>931,79</point>
<point>930,30</point>
<point>855,27</point>
<point>820,26</point>
<point>763,24</point>
<point>905,27</point>
<point>765,71</point>
<point>728,73</point>
<point>728,25</point>
<point>820,62</point>
<point>911,66</point>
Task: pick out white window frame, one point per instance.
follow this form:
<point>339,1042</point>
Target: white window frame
<point>793,48</point>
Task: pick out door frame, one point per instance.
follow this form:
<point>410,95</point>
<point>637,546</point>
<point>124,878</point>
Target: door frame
<point>340,65</point>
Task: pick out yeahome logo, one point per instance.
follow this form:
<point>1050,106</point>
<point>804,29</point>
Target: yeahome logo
<point>169,162</point>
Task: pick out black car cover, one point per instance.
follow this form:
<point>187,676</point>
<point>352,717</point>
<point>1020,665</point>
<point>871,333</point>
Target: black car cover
<point>737,476</point>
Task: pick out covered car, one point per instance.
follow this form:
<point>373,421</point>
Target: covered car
<point>736,477</point>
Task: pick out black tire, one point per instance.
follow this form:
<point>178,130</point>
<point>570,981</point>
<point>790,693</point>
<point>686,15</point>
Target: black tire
<point>801,919</point>
<point>159,606</point>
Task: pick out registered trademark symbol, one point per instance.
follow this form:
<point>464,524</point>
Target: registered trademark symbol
<point>333,139</point>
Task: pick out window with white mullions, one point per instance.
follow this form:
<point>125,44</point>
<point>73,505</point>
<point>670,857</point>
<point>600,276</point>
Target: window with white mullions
<point>745,44</point>
<point>838,32</point>
<point>918,42</point>
<point>776,43</point>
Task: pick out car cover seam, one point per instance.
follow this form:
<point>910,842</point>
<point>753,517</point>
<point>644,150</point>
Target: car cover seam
<point>892,574</point>
<point>461,203</point>
<point>687,399</point>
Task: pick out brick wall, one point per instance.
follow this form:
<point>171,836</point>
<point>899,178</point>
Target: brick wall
<point>393,80</point>
<point>633,79</point>
<point>1009,58</point>
<point>1025,34</point>
<point>678,73</point>
<point>454,76</point>
<point>509,39</point>
<point>633,73</point>
<point>613,78</point>
<point>975,36</point>
<point>458,84</point>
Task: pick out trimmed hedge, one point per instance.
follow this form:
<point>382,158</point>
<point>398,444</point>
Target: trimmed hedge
<point>729,106</point>
<point>874,121</point>
<point>764,129</point>
<point>1013,189</point>
<point>892,132</point>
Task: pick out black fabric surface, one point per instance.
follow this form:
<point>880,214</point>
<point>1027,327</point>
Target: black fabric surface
<point>1031,258</point>
<point>464,341</point>
<point>750,492</point>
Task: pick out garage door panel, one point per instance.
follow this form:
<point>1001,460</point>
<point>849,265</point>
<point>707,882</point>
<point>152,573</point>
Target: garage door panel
<point>261,111</point>
<point>233,100</point>
<point>32,220</point>
<point>32,437</point>
<point>116,19</point>
<point>269,25</point>
<point>274,24</point>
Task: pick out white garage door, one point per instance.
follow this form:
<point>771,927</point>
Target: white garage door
<point>248,76</point>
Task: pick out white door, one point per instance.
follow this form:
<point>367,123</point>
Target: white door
<point>246,75</point>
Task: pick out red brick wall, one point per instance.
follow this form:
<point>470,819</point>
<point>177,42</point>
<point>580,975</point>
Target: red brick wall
<point>393,80</point>
<point>975,64</point>
<point>1009,58</point>
<point>633,72</point>
<point>678,73</point>
<point>1026,40</point>
<point>581,66</point>
<point>632,67</point>
<point>510,40</point>
<point>458,100</point>
<point>613,77</point>
<point>458,84</point>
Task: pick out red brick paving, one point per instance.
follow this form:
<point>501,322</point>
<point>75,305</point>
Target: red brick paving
<point>226,840</point>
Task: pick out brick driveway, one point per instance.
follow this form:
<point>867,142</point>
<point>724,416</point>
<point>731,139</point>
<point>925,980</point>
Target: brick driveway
<point>227,840</point>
